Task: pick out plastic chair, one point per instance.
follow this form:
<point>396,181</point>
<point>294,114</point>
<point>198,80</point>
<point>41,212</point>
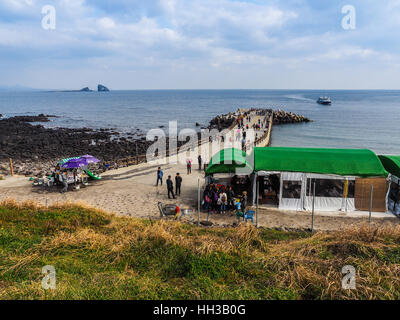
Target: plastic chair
<point>249,215</point>
<point>239,214</point>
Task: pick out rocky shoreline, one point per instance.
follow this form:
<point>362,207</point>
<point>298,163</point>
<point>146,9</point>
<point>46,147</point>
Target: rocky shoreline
<point>222,122</point>
<point>34,149</point>
<point>283,117</point>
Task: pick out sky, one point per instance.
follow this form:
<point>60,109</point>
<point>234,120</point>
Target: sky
<point>200,44</point>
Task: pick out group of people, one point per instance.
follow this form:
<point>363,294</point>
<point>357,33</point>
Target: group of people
<point>259,125</point>
<point>65,177</point>
<point>240,118</point>
<point>189,164</point>
<point>178,178</point>
<point>170,183</point>
<point>219,198</point>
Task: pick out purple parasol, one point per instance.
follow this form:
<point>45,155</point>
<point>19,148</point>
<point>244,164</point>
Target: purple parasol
<point>90,159</point>
<point>75,163</point>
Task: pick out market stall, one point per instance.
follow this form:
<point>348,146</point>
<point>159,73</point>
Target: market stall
<point>336,173</point>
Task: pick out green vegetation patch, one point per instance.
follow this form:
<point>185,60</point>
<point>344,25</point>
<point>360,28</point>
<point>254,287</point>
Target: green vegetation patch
<point>99,256</point>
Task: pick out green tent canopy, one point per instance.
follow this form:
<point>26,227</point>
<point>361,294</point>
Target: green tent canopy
<point>343,162</point>
<point>227,161</point>
<point>391,164</point>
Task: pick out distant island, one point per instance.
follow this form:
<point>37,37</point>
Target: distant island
<point>86,89</point>
<point>100,88</point>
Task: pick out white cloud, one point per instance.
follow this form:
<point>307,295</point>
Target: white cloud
<point>106,23</point>
<point>191,35</point>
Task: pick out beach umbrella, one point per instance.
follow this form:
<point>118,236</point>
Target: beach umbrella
<point>62,161</point>
<point>90,159</point>
<point>75,163</point>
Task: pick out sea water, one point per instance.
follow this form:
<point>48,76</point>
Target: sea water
<point>356,119</point>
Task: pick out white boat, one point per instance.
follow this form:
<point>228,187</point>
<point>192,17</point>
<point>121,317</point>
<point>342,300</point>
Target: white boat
<point>324,100</point>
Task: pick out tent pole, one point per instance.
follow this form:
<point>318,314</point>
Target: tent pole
<point>347,193</point>
<point>313,206</point>
<point>370,203</point>
<point>258,188</point>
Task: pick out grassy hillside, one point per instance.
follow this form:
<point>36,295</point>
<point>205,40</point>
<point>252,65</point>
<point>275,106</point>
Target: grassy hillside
<point>98,256</point>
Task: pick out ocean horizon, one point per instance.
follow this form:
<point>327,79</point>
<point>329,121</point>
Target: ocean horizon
<point>356,119</point>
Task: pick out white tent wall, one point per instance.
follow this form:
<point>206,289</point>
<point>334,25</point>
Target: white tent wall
<point>294,202</point>
<point>327,203</point>
<point>302,201</point>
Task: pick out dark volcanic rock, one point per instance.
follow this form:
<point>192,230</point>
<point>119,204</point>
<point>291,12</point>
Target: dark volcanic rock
<point>221,122</point>
<point>283,117</point>
<point>35,149</point>
<point>40,118</point>
<point>21,140</point>
<point>102,88</point>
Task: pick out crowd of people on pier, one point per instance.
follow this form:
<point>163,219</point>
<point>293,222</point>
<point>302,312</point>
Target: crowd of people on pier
<point>260,126</point>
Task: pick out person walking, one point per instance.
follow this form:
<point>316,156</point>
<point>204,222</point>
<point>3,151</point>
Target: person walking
<point>64,180</point>
<point>243,144</point>
<point>244,201</point>
<point>160,174</point>
<point>189,166</point>
<point>170,188</point>
<point>178,184</point>
<point>199,160</point>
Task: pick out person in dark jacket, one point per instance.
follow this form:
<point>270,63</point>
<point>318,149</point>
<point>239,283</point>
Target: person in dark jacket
<point>159,175</point>
<point>178,184</point>
<point>214,199</point>
<point>170,187</point>
<point>199,161</point>
<point>231,198</point>
<point>207,196</point>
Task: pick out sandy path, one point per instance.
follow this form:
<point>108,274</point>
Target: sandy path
<point>131,191</point>
<point>137,196</point>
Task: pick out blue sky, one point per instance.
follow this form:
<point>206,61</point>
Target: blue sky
<point>200,44</point>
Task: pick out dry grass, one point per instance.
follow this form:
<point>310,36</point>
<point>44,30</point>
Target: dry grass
<point>100,256</point>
